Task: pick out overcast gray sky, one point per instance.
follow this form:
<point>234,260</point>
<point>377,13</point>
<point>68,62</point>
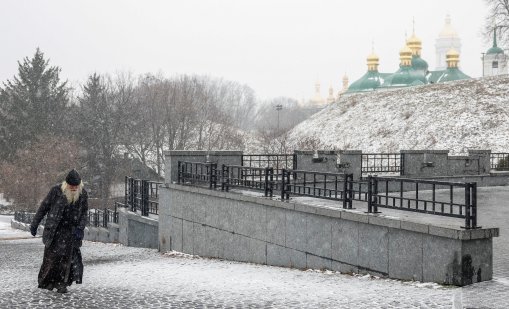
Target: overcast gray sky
<point>278,47</point>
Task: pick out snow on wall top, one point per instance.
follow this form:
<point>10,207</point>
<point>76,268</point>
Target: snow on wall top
<point>456,116</point>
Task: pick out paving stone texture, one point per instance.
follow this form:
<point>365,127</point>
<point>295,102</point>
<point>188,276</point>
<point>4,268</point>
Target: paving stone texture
<point>125,277</point>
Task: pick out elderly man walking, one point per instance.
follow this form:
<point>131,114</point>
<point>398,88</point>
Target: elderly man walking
<point>65,208</point>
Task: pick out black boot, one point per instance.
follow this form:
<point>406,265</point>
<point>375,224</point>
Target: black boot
<point>62,290</point>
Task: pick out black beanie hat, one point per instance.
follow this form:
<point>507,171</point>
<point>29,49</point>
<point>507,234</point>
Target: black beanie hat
<point>73,178</point>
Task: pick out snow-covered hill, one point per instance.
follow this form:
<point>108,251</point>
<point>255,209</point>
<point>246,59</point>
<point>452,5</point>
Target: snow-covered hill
<point>454,116</point>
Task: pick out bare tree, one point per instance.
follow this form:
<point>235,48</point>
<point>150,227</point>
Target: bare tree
<point>27,178</point>
<point>497,18</point>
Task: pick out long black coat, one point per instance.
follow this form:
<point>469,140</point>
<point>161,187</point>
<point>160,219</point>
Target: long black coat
<point>52,207</point>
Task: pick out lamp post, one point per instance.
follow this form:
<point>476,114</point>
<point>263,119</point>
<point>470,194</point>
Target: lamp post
<point>482,58</point>
<point>278,108</point>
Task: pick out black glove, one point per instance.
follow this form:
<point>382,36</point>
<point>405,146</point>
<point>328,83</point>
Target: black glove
<point>33,230</point>
<point>78,234</point>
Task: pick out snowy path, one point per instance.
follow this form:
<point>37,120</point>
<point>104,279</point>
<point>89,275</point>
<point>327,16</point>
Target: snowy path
<point>119,277</point>
<point>6,232</point>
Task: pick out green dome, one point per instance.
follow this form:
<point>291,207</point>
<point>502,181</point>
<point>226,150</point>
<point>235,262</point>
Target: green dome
<point>369,81</point>
<point>452,74</point>
<point>419,64</point>
<point>405,76</point>
<point>495,50</point>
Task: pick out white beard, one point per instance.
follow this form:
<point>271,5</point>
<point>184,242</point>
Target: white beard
<point>72,196</point>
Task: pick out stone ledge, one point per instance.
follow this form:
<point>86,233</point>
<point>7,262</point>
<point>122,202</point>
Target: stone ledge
<point>203,152</point>
<point>424,151</point>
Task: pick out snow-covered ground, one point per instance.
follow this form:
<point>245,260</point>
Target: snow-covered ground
<point>452,116</point>
<point>6,232</point>
<point>120,277</point>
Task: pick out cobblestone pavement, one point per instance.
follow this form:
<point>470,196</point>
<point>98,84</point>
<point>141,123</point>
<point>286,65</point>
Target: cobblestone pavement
<point>120,277</point>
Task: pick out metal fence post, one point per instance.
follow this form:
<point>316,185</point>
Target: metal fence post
<point>283,174</point>
<point>179,172</point>
<point>126,190</point>
<point>370,195</point>
<point>266,182</point>
<point>474,205</point>
<point>345,189</point>
<point>467,206</point>
<point>105,217</point>
<point>144,197</point>
<point>225,178</point>
<point>402,164</point>
<point>213,176</point>
<point>271,181</point>
<point>375,194</point>
<point>132,194</point>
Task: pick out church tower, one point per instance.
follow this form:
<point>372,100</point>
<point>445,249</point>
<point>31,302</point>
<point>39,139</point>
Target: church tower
<point>331,98</point>
<point>495,60</point>
<point>447,39</point>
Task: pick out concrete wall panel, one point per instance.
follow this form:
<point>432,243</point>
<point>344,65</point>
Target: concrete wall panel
<point>405,255</point>
<point>286,257</point>
<point>345,241</point>
<point>319,236</point>
<point>374,248</point>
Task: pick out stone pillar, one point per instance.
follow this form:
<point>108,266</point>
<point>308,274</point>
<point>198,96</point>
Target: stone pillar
<point>425,163</point>
<point>350,162</point>
<point>317,161</point>
<point>484,159</point>
<point>219,157</point>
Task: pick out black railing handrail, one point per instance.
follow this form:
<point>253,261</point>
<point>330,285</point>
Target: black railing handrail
<point>268,154</point>
<point>277,161</point>
<point>316,172</point>
<point>342,187</point>
<point>340,191</point>
<point>424,181</point>
<point>142,194</point>
<point>387,199</point>
<point>496,157</point>
<point>384,162</point>
<point>255,178</point>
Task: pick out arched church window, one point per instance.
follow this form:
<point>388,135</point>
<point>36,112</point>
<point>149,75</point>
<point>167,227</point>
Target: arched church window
<point>494,64</point>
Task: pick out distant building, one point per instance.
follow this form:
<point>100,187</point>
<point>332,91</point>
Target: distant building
<point>494,60</point>
<point>413,70</point>
<point>317,100</point>
<point>447,39</point>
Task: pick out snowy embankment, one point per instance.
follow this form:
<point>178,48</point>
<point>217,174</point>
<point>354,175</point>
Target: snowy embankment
<point>456,116</point>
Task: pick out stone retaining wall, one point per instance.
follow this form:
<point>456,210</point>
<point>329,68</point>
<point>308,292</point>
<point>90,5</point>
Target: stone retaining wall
<point>259,230</point>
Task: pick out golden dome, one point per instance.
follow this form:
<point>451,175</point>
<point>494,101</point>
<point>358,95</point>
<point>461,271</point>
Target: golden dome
<point>373,62</point>
<point>405,56</point>
<point>415,44</point>
<point>452,57</point>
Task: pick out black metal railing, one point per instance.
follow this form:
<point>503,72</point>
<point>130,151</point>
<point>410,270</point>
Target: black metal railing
<point>277,161</point>
<point>23,216</point>
<point>382,163</point>
<point>254,178</point>
<point>142,195</point>
<point>197,173</point>
<point>330,186</point>
<point>450,199</point>
<point>499,161</point>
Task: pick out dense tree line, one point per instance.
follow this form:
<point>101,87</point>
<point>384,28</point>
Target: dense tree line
<point>44,131</point>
